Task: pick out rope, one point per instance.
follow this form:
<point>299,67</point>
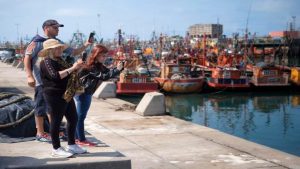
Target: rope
<point>6,95</point>
<point>13,101</point>
<point>18,121</point>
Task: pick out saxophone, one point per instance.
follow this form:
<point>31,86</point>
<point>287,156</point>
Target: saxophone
<point>73,85</point>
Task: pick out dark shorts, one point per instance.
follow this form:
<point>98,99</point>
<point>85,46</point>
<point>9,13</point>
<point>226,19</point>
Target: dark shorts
<point>40,108</point>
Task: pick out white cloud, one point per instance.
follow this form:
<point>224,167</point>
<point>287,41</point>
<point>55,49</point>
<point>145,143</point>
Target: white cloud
<point>70,12</point>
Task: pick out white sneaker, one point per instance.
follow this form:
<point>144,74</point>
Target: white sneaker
<point>75,149</point>
<point>61,152</point>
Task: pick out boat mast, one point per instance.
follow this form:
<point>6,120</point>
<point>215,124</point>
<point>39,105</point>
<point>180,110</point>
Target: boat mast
<point>246,32</point>
<point>119,37</point>
<point>204,49</point>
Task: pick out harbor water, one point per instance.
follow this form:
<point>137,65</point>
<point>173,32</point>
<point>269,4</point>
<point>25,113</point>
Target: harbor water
<point>271,119</point>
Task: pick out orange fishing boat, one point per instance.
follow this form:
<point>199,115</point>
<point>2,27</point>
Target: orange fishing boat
<point>269,75</point>
<point>177,78</point>
<point>228,78</point>
<point>231,73</point>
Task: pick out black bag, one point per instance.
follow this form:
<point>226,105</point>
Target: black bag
<point>89,82</point>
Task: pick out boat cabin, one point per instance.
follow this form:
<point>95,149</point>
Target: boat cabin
<point>269,76</point>
<point>170,70</point>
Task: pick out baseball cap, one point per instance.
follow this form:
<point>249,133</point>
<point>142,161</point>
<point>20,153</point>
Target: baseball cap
<point>51,22</point>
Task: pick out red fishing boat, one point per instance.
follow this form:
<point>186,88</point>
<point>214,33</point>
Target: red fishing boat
<point>137,77</point>
<point>132,82</point>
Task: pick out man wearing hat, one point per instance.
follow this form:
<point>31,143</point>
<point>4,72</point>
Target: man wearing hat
<point>51,29</point>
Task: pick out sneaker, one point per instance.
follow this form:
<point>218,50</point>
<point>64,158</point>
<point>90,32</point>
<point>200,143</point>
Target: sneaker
<point>43,138</point>
<point>85,143</point>
<point>75,149</point>
<point>63,137</point>
<point>61,152</point>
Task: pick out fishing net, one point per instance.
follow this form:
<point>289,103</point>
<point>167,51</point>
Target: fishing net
<point>16,118</point>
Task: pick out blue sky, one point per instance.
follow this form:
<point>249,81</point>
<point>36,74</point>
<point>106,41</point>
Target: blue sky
<point>141,17</point>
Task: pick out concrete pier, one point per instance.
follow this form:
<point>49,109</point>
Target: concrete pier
<point>151,142</point>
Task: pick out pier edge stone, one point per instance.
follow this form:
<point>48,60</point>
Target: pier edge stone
<point>5,60</point>
<point>106,90</point>
<point>20,65</point>
<point>15,63</point>
<point>152,104</point>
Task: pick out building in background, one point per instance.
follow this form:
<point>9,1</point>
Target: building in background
<point>212,30</point>
<point>282,34</point>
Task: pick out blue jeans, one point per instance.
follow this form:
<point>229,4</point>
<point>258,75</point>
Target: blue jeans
<point>83,103</point>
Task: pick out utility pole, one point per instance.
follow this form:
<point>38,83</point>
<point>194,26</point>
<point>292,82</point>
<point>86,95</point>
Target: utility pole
<point>218,29</point>
<point>98,15</point>
<point>17,32</point>
<point>294,23</point>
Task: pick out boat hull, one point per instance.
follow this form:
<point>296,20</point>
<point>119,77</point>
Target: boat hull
<point>136,88</point>
<point>233,84</point>
<point>228,78</point>
<point>181,85</point>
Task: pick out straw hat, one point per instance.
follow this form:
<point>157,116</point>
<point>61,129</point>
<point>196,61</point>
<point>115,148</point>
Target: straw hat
<point>51,44</point>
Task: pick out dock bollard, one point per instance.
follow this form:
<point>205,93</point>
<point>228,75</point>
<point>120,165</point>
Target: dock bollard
<point>106,90</point>
<point>152,104</point>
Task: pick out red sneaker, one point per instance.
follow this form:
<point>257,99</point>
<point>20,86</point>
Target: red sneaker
<point>85,143</point>
<point>45,137</point>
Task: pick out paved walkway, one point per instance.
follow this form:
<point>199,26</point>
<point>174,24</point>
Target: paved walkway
<point>160,142</point>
